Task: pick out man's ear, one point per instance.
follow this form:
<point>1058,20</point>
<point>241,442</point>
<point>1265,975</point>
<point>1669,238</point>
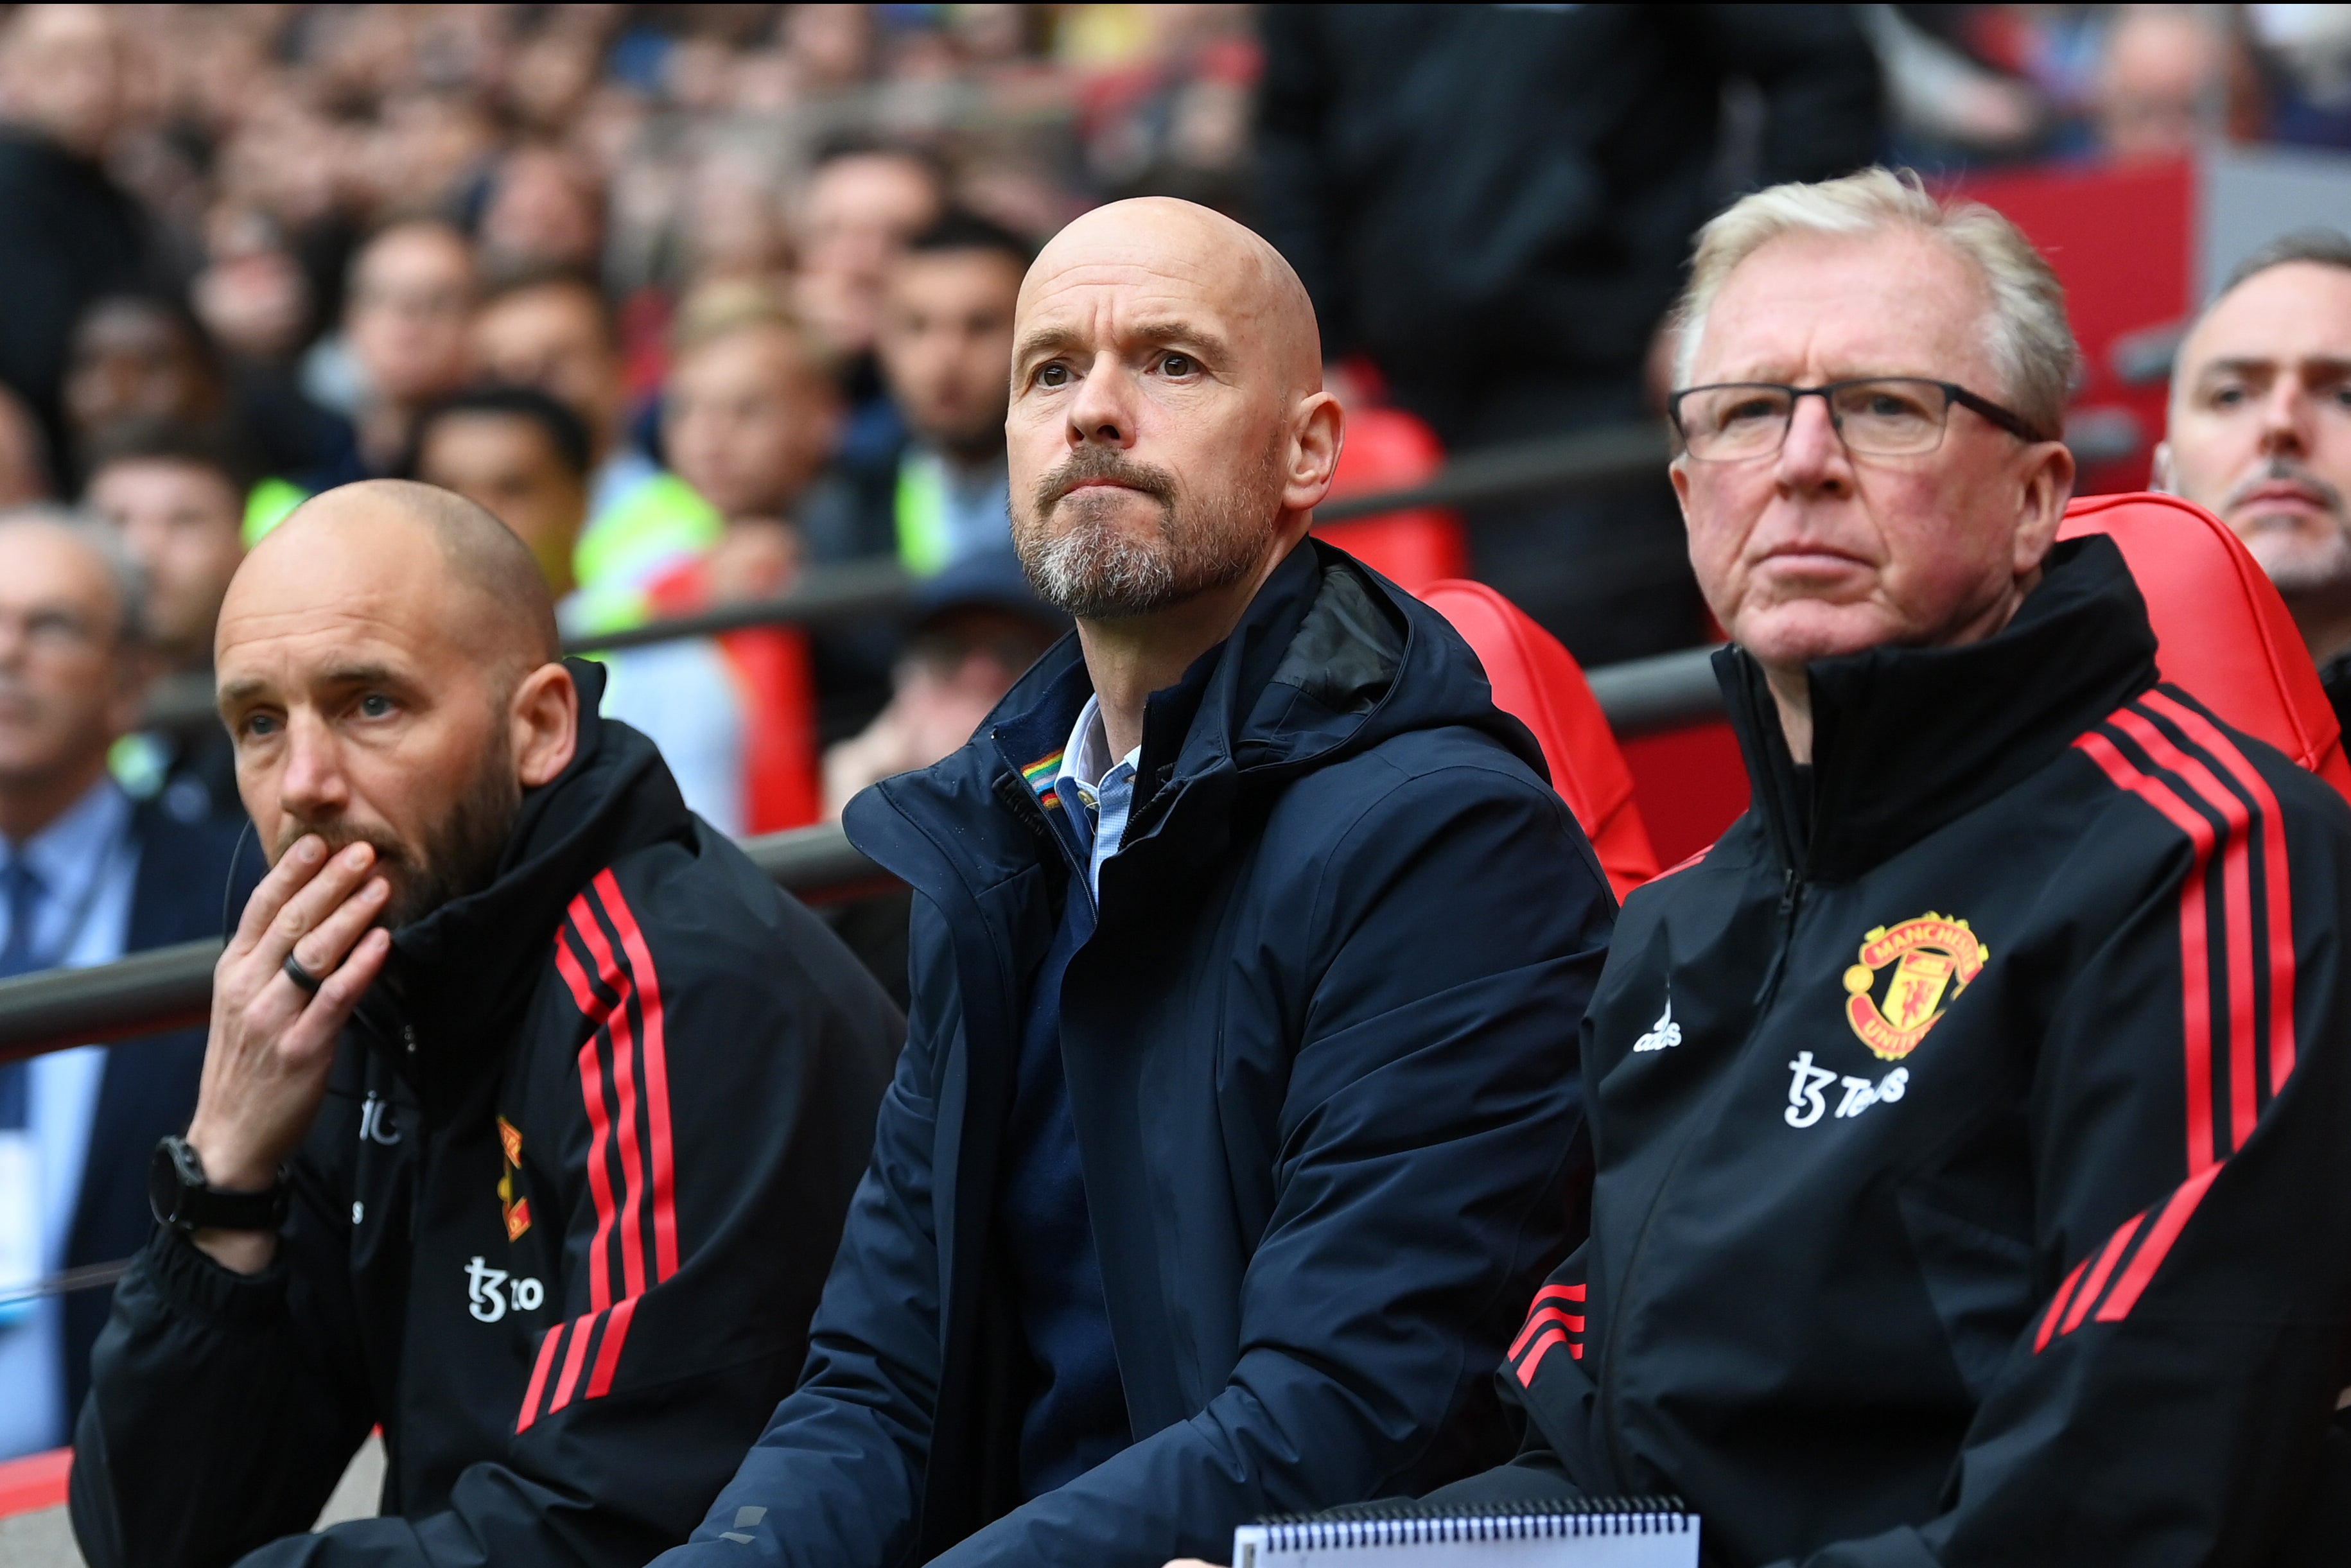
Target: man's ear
<point>544,718</point>
<point>2048,486</point>
<point>1313,456</point>
<point>2159,474</point>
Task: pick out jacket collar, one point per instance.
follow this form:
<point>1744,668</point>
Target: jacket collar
<point>1327,660</point>
<point>1906,741</point>
<point>462,974</point>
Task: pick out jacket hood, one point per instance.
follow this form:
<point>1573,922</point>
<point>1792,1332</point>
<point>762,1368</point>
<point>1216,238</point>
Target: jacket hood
<point>1329,660</point>
<point>464,972</point>
<point>1907,740</point>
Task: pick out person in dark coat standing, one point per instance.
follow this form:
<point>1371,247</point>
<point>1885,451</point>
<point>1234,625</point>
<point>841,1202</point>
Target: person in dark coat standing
<point>1237,1113</point>
<point>1491,204</point>
<point>68,232</point>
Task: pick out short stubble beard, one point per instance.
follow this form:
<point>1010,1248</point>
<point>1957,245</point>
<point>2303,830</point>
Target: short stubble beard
<point>1091,569</point>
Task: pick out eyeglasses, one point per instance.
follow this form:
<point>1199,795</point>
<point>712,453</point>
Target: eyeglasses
<point>1882,416</point>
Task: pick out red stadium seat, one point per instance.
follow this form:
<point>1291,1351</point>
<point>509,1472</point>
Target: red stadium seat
<point>2223,633</point>
<point>1388,449</point>
<point>1538,682</point>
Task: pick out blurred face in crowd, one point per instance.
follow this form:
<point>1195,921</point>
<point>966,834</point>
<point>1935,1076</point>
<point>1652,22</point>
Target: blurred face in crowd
<point>24,461</point>
<point>542,213</point>
<point>411,297</point>
<point>378,691</point>
<point>508,465</point>
<point>69,682</point>
<point>184,522</point>
<point>858,212</point>
<point>131,361</point>
<point>947,339</point>
<point>553,336</point>
<point>2162,64</point>
<point>61,72</point>
<point>2260,434</point>
<point>1168,432</point>
<point>749,421</point>
<point>1810,552</point>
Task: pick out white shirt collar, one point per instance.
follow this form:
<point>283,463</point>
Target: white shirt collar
<point>1086,757</point>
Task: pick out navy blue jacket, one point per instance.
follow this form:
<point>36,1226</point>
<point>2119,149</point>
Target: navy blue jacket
<point>1321,1056</point>
<point>182,892</point>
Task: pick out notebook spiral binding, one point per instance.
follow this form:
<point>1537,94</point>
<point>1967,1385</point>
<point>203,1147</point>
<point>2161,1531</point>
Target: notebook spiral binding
<point>1414,1524</point>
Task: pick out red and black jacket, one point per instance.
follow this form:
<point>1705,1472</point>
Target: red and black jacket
<point>1973,1129</point>
<point>557,1229</point>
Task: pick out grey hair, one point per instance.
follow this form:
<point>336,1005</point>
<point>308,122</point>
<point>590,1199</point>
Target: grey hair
<point>2030,343</point>
<point>105,541</point>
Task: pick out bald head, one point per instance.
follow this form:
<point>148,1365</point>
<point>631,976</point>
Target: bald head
<point>1195,251</point>
<point>386,661</point>
<point>1169,434</point>
<point>495,600</point>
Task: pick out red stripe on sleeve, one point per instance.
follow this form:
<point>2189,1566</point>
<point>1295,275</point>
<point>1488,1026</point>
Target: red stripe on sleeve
<point>2159,1237</point>
<point>2236,911</point>
<point>656,1058</point>
<point>572,1361</point>
<point>1526,1369</point>
<point>608,1352</point>
<point>546,1344</point>
<point>2105,1266</point>
<point>2277,895</point>
<point>1562,1292</point>
<point>591,1096</point>
<point>2195,962</point>
<point>2057,1307</point>
<point>624,1080</point>
<point>1566,1320</point>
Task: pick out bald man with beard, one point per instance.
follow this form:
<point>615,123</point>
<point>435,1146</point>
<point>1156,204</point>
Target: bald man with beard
<point>530,1110</point>
<point>1238,1113</point>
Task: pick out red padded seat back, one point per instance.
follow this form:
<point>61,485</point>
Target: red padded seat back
<point>1538,682</point>
<point>2222,632</point>
<point>1388,449</point>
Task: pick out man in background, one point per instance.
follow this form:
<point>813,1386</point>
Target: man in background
<point>861,203</point>
<point>555,329</point>
<point>2260,432</point>
<point>177,493</point>
<point>411,295</point>
<point>86,876</point>
<point>1491,205</point>
<point>522,457</point>
<point>945,340</point>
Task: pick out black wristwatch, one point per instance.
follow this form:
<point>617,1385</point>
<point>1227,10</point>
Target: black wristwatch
<point>182,1199</point>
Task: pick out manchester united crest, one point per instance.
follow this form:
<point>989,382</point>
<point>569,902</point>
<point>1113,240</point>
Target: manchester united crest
<point>1907,975</point>
<point>515,1207</point>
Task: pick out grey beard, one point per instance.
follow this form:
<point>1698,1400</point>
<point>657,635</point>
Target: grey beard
<point>1090,570</point>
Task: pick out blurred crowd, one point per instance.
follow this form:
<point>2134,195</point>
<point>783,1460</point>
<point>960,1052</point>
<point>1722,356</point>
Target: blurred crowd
<point>698,298</point>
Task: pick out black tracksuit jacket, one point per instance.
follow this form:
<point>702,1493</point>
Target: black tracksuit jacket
<point>559,1227</point>
<point>1973,1131</point>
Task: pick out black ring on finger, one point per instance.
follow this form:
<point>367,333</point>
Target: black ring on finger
<point>301,976</point>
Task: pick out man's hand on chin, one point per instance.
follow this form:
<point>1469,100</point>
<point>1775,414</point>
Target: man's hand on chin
<point>272,1041</point>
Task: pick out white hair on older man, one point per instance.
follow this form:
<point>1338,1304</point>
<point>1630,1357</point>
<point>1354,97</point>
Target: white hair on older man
<point>105,541</point>
<point>2031,341</point>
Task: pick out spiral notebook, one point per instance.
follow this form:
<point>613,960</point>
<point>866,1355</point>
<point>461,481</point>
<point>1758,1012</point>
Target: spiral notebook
<point>1574,1533</point>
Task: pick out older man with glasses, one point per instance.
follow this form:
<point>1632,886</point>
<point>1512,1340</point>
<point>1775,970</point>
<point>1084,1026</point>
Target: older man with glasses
<point>1972,1181</point>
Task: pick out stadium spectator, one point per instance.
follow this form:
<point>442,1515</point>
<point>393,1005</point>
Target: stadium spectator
<point>412,297</point>
<point>1490,203</point>
<point>2162,83</point>
<point>1224,1072</point>
<point>522,457</point>
<point>86,876</point>
<point>555,331</point>
<point>542,212</point>
<point>862,204</point>
<point>527,1203</point>
<point>2260,432</point>
<point>24,468</point>
<point>143,358</point>
<point>978,624</point>
<point>68,232</point>
<point>1973,1187</point>
<point>946,339</point>
<point>177,493</point>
